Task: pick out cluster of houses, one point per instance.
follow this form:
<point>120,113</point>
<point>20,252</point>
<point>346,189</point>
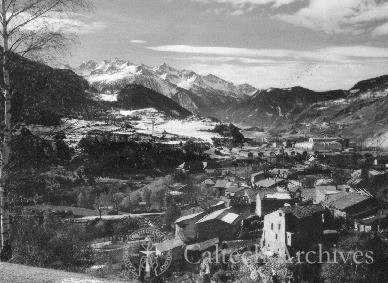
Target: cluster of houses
<point>293,214</point>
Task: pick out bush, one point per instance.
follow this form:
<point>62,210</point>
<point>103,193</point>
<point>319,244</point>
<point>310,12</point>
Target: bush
<point>49,243</point>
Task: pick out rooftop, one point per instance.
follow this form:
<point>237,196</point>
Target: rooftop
<point>187,217</point>
<point>223,214</point>
<point>221,183</point>
<point>344,200</point>
<point>266,183</point>
<point>303,211</point>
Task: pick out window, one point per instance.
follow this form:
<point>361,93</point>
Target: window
<point>271,226</point>
<point>279,226</point>
<point>280,214</point>
<point>276,236</point>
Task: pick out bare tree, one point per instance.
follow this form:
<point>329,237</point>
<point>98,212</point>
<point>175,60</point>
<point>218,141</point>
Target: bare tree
<point>38,30</point>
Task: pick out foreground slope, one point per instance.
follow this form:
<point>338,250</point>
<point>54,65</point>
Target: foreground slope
<point>14,273</point>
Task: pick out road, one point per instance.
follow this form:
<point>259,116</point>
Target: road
<point>115,217</point>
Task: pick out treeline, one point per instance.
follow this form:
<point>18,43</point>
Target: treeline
<point>108,154</point>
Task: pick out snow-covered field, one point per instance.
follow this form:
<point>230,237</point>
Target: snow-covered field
<point>108,97</point>
<point>195,129</point>
<point>147,121</point>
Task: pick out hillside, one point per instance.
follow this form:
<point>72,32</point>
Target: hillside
<point>14,273</point>
<point>134,97</point>
<point>266,107</point>
<point>361,114</point>
<point>42,94</point>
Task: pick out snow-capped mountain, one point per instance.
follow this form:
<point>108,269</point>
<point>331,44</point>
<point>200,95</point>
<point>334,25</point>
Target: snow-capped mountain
<point>199,94</point>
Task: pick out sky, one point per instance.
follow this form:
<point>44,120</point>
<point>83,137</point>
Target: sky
<point>318,44</point>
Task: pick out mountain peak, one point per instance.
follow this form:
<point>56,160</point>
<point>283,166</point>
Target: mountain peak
<point>88,65</point>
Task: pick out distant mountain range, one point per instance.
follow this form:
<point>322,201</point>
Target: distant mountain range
<point>42,93</point>
<point>202,95</point>
<point>212,96</point>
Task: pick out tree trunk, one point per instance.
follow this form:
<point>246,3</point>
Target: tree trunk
<point>6,146</point>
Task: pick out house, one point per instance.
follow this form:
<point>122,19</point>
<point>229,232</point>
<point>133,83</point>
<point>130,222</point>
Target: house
<point>269,183</point>
<point>255,177</point>
<point>234,190</point>
<point>279,172</point>
<point>251,195</point>
<point>246,154</point>
<point>324,192</point>
<point>221,186</point>
<point>293,228</point>
<point>185,226</point>
<point>193,166</point>
<point>325,139</point>
<point>268,200</point>
<point>319,145</point>
<point>209,183</point>
<point>351,205</point>
<point>274,159</point>
<point>222,224</point>
<point>372,223</point>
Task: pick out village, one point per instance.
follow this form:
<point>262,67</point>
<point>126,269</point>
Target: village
<point>279,198</point>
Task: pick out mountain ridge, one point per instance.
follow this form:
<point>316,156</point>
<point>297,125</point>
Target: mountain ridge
<point>353,112</point>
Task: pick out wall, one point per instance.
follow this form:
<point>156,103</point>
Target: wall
<point>274,239</point>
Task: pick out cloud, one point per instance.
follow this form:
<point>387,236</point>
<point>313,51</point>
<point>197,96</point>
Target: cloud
<point>223,51</point>
<point>240,3</point>
<point>381,30</point>
<point>243,60</point>
<point>56,22</point>
<point>336,54</point>
<point>336,17</point>
<point>316,76</point>
<point>241,7</point>
<point>265,68</point>
<point>138,41</point>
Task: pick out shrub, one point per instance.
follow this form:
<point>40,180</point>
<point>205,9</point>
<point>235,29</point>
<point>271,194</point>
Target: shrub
<point>49,243</point>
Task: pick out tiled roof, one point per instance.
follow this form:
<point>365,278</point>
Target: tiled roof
<point>208,182</point>
<point>221,183</point>
<point>234,189</point>
<point>345,200</point>
<point>223,214</point>
<point>303,211</point>
<point>266,183</point>
<point>308,193</point>
<point>187,217</point>
<point>251,194</point>
<point>264,192</point>
<point>276,171</point>
<point>257,173</point>
<point>371,219</point>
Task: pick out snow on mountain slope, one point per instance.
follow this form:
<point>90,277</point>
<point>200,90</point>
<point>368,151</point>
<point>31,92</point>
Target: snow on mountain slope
<point>210,83</point>
<point>114,74</point>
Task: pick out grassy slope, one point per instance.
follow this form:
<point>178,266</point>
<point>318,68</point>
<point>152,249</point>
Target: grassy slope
<point>14,273</point>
